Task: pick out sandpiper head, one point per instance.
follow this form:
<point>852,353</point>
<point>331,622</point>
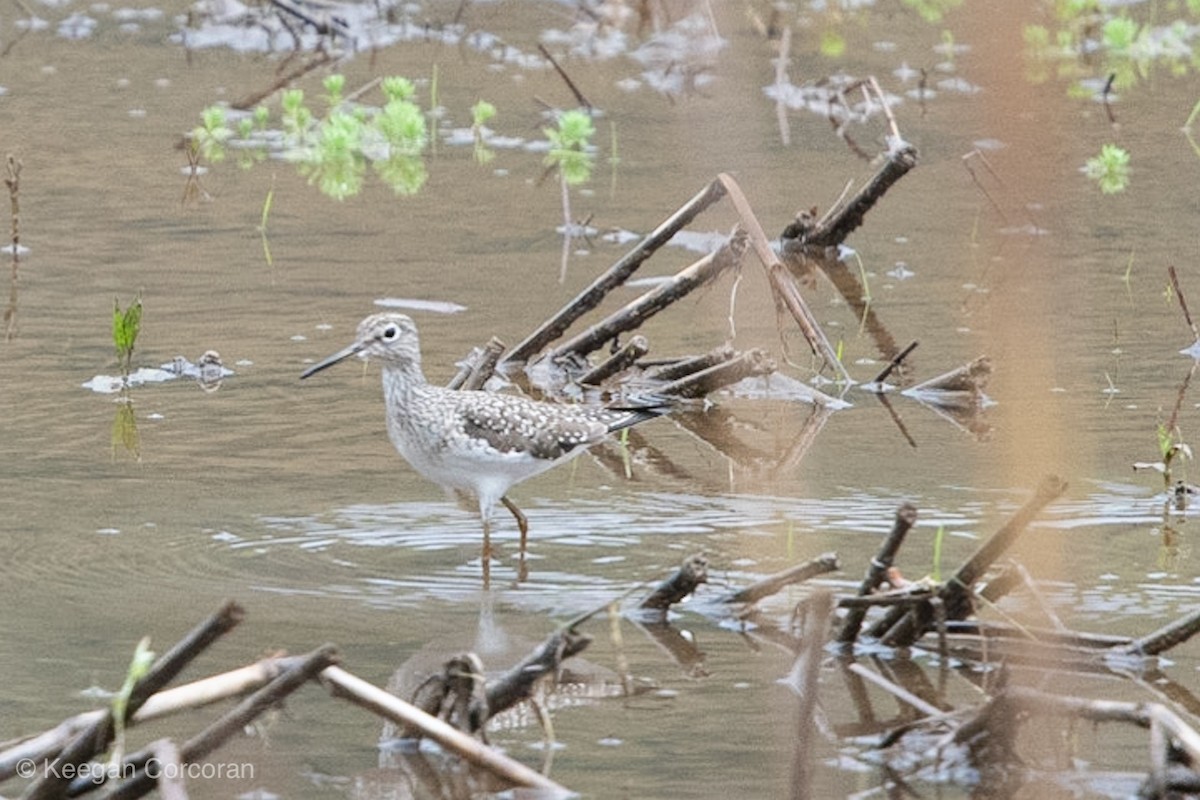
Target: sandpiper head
<point>390,337</point>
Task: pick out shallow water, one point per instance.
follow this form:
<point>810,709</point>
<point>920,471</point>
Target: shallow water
<point>289,498</point>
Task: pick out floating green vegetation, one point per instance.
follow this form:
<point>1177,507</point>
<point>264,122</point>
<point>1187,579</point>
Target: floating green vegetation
<point>1088,40</point>
<point>571,150</point>
<point>335,150</point>
<point>932,11</point>
<point>125,328</point>
<point>1110,169</point>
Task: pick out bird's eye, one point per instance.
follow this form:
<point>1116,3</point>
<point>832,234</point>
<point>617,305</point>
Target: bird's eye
<point>390,332</point>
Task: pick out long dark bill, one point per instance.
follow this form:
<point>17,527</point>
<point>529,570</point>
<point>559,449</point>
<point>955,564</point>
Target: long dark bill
<point>340,355</point>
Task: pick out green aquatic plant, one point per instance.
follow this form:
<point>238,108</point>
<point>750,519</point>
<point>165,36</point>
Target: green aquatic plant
<point>939,538</point>
<point>333,150</point>
<point>1110,169</point>
<point>212,133</point>
<point>139,667</point>
<point>481,113</point>
<point>932,11</point>
<point>571,149</point>
<point>1086,40</point>
<point>125,328</point>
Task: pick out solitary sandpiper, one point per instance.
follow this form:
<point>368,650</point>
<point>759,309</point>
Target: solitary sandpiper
<point>479,442</point>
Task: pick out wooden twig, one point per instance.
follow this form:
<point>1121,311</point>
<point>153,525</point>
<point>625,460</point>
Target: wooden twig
<point>960,388</point>
<point>516,684</point>
<point>187,697</point>
<point>701,272</point>
<point>681,583</point>
<point>478,367</point>
<point>906,517</point>
<point>827,562</point>
<point>617,274</point>
<point>1187,315</point>
<point>702,383</point>
<point>94,738</point>
<point>895,362</point>
<point>901,158</point>
<point>783,286</point>
<point>350,687</point>
<point>635,348</point>
<point>579,98</point>
<point>956,593</point>
<point>682,367</point>
<point>1165,637</point>
<point>231,723</point>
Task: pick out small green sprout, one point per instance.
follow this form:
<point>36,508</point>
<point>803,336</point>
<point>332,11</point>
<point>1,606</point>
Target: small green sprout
<point>570,146</point>
<point>481,113</point>
<point>212,133</point>
<point>1110,169</point>
<point>125,327</point>
<point>334,86</point>
<point>139,667</point>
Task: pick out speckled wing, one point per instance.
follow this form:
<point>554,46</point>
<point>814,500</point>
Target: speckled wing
<point>543,430</point>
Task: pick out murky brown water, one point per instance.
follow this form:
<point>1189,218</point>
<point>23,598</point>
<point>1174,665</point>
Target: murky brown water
<point>289,497</point>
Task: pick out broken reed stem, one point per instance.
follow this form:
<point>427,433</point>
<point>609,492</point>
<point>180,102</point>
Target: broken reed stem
<point>901,158</point>
<point>906,517</point>
<point>784,288</point>
<point>516,684</point>
<point>1164,638</point>
<point>384,704</point>
<point>682,367</point>
<point>681,583</point>
<point>13,182</point>
<point>579,98</point>
<point>895,362</point>
<point>231,723</point>
<point>703,271</point>
<point>1187,315</point>
<point>635,348</point>
<point>479,366</point>
<point>616,275</point>
<point>826,562</point>
<point>956,593</point>
<point>96,737</point>
<point>706,381</point>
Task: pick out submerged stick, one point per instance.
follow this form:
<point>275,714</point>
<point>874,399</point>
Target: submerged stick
<point>702,271</point>
<point>616,275</point>
<point>906,517</point>
<point>803,680</point>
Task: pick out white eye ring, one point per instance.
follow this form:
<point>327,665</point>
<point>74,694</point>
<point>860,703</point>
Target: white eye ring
<point>391,332</point>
